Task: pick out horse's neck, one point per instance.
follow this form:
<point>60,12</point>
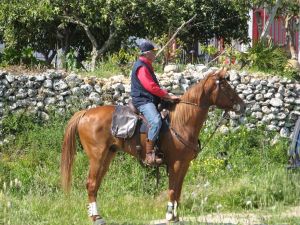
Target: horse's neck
<point>189,119</point>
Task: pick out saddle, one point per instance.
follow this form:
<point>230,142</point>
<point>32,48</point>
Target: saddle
<point>127,118</point>
<point>124,121</point>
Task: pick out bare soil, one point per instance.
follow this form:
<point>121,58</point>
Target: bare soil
<point>234,218</point>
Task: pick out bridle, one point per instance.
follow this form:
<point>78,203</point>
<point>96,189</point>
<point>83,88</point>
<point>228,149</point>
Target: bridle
<point>197,148</point>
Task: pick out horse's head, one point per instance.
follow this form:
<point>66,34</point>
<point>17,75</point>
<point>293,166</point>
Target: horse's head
<point>222,94</point>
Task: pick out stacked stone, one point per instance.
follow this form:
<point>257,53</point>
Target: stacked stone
<point>272,101</point>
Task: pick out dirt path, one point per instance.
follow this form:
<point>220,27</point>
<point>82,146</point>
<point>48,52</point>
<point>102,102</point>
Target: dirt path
<point>233,218</point>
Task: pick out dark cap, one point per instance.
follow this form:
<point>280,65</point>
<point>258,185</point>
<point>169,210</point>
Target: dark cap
<point>147,46</point>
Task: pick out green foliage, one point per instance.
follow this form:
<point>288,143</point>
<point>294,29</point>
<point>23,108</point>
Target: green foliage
<point>10,56</point>
<point>169,55</point>
<point>104,69</point>
<point>46,26</point>
<point>18,123</point>
<point>209,49</point>
<point>71,61</point>
<point>251,176</point>
<point>264,57</point>
<point>25,56</point>
<point>125,59</point>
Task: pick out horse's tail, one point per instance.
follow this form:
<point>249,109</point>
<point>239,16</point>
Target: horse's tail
<point>69,150</point>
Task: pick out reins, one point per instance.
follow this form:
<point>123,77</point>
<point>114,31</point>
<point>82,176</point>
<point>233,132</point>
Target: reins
<point>187,143</point>
<point>189,103</point>
<point>224,116</point>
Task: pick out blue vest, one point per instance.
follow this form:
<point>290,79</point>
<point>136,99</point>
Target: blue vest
<point>139,94</point>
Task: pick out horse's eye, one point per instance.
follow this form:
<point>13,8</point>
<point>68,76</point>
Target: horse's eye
<point>227,78</point>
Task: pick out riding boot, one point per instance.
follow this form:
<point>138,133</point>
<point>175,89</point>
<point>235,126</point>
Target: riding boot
<point>151,159</point>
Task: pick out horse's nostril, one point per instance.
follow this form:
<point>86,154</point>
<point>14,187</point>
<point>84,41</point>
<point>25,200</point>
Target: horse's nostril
<point>236,107</point>
<point>239,108</point>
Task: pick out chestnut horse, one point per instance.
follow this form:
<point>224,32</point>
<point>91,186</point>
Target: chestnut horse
<point>179,145</point>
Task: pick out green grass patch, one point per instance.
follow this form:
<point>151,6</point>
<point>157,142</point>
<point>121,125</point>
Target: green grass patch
<point>251,177</point>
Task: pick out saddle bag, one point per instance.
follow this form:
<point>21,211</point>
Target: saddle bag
<point>124,122</point>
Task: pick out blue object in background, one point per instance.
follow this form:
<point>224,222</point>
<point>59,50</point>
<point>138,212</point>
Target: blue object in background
<point>294,158</point>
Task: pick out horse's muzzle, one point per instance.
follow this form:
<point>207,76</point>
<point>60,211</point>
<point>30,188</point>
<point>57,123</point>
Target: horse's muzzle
<point>239,108</point>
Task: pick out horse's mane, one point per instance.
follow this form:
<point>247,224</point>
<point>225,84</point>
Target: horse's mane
<point>182,112</point>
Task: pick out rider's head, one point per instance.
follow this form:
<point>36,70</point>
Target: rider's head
<point>148,50</point>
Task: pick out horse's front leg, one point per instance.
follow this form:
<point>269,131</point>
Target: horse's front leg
<point>177,172</point>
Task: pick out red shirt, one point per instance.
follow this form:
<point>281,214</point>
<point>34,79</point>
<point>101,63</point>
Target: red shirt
<point>147,81</point>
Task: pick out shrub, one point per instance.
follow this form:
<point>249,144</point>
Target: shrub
<point>12,56</point>
<point>264,57</point>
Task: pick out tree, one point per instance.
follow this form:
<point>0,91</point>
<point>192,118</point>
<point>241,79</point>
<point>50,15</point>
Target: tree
<point>97,27</point>
<point>270,19</point>
<point>25,26</point>
<point>220,19</point>
<point>290,10</point>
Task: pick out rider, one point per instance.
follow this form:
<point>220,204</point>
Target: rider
<point>146,94</point>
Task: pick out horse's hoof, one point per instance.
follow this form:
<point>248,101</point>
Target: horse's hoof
<point>99,221</point>
<point>171,219</point>
<point>169,216</point>
<point>174,221</point>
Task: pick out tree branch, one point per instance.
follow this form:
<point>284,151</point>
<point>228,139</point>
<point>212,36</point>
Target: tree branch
<point>86,29</point>
<point>176,32</point>
<point>110,40</point>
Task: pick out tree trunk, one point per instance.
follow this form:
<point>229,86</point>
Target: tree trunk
<point>95,55</point>
<point>48,58</point>
<point>290,36</point>
<point>63,36</point>
<point>259,22</point>
<point>270,20</point>
<point>96,52</point>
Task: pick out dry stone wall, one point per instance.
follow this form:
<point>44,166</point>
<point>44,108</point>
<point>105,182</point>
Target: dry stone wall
<point>272,101</point>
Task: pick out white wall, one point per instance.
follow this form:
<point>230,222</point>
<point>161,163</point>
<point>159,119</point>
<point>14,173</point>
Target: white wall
<point>1,47</point>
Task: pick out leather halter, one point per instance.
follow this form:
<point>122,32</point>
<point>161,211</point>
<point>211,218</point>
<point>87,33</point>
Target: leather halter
<point>197,148</point>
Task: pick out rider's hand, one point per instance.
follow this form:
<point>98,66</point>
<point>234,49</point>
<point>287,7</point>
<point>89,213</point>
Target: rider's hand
<point>172,98</point>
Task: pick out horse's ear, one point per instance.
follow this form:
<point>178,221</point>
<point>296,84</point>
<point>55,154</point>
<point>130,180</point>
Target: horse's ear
<point>223,72</point>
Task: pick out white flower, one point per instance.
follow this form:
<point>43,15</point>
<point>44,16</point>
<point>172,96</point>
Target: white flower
<point>206,184</point>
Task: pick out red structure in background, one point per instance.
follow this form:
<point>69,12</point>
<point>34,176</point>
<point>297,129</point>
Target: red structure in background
<point>277,31</point>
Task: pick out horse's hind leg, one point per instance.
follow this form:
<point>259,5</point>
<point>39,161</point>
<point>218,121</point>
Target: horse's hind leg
<point>98,167</point>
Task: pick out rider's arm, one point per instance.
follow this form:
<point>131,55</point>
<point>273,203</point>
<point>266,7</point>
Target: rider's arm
<point>149,84</point>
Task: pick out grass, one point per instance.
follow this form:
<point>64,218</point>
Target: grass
<point>104,70</point>
<point>251,179</point>
<point>109,68</point>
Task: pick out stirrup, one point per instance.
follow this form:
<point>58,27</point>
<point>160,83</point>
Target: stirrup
<point>152,159</point>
